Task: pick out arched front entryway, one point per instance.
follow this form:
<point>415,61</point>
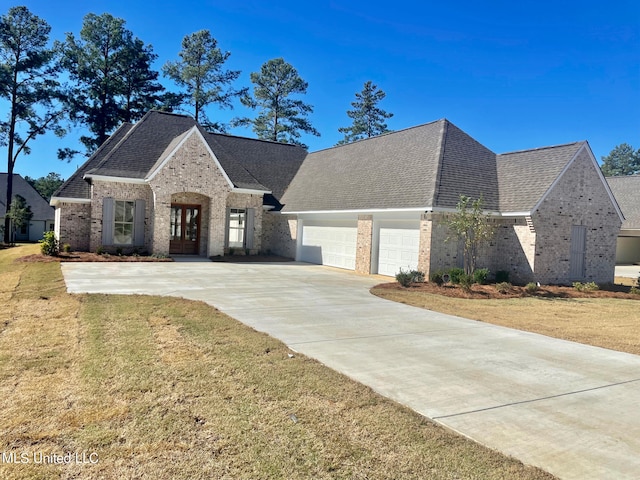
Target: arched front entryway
<point>188,224</point>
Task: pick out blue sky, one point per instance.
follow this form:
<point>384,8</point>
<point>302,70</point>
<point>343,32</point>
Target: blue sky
<point>512,74</point>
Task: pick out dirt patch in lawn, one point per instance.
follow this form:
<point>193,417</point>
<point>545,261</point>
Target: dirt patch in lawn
<point>491,292</point>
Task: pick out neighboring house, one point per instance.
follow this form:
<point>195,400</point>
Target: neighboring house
<point>164,185</point>
<point>43,214</point>
<point>626,189</point>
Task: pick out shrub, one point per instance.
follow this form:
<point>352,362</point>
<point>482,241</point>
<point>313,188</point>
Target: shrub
<point>480,275</point>
<point>531,287</point>
<point>502,276</point>
<point>586,287</point>
<point>100,250</point>
<point>635,290</point>
<point>503,287</point>
<point>455,274</point>
<point>66,248</point>
<point>466,281</point>
<point>437,278</point>
<point>49,244</point>
<point>407,277</point>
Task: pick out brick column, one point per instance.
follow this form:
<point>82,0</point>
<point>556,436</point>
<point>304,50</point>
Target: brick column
<point>424,252</point>
<point>363,248</point>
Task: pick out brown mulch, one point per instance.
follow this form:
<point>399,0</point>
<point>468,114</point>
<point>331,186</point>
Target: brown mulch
<point>89,257</point>
<point>490,292</point>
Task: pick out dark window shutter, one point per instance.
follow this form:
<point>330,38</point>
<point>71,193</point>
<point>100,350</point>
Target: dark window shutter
<point>107,221</point>
<point>138,226</point>
<point>226,228</point>
<point>249,228</point>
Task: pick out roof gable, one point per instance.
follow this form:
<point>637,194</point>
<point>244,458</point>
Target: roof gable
<point>136,152</point>
<point>516,171</point>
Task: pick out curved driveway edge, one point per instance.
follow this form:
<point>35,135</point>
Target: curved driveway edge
<point>570,409</point>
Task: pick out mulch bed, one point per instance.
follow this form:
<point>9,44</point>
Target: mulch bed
<point>90,257</point>
<point>94,257</point>
<point>490,292</point>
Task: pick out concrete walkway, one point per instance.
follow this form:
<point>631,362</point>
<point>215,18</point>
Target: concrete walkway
<point>571,409</point>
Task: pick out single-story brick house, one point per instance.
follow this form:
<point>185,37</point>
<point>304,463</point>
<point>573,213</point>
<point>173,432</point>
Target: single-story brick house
<point>43,214</point>
<point>164,185</point>
<point>626,190</point>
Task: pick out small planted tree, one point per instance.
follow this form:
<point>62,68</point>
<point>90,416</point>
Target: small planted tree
<point>471,226</point>
<point>20,215</point>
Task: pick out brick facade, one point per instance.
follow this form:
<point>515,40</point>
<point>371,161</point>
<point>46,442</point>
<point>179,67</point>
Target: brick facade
<point>73,225</point>
<point>190,176</point>
<point>279,234</point>
<point>578,198</point>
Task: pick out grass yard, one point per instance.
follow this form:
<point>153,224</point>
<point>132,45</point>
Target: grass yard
<point>165,388</point>
<point>612,323</point>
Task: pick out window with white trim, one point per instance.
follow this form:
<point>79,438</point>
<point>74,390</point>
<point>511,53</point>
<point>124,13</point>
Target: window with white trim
<point>237,222</point>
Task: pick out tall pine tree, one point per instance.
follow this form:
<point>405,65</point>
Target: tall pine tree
<point>622,160</point>
<point>112,77</point>
<point>200,71</point>
<point>368,119</point>
<point>29,86</point>
<point>281,118</point>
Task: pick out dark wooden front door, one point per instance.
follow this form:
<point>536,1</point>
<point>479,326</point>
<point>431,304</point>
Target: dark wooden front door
<point>185,229</point>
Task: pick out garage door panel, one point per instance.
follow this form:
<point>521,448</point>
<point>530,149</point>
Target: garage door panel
<point>398,249</point>
<point>329,245</point>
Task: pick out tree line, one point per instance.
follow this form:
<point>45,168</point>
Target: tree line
<point>111,80</point>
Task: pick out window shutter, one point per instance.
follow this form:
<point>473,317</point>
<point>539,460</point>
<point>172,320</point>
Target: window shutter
<point>107,220</point>
<point>249,228</point>
<point>138,225</point>
<point>226,228</point>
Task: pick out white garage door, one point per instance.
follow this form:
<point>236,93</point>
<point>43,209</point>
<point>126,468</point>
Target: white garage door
<point>398,249</point>
<point>329,245</point>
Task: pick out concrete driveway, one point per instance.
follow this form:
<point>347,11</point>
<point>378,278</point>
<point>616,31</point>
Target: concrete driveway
<point>571,409</point>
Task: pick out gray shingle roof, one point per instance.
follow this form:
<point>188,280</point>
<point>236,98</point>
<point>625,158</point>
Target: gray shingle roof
<point>78,187</point>
<point>626,189</point>
<point>395,170</point>
<point>524,177</point>
<point>133,151</point>
<point>39,206</point>
<point>428,166</point>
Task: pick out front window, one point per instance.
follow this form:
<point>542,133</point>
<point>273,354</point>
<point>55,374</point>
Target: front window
<point>237,221</point>
<point>123,225</point>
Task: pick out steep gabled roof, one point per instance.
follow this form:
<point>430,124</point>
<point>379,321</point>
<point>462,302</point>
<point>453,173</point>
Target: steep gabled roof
<point>135,151</point>
<point>524,177</point>
<point>392,171</point>
<point>39,206</point>
<point>135,155</point>
<point>626,190</point>
<point>425,167</point>
<point>75,186</point>
<point>268,163</point>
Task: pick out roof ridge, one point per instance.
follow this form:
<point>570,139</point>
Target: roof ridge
<point>392,132</point>
<point>241,137</point>
<point>542,148</point>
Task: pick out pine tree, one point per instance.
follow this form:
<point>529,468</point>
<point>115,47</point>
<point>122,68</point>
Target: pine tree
<point>280,118</point>
<point>112,75</point>
<point>622,160</point>
<point>28,83</point>
<point>200,72</point>
<point>368,119</point>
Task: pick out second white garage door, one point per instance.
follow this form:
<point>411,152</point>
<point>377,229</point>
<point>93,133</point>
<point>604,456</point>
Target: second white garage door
<point>398,248</point>
<point>329,245</point>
